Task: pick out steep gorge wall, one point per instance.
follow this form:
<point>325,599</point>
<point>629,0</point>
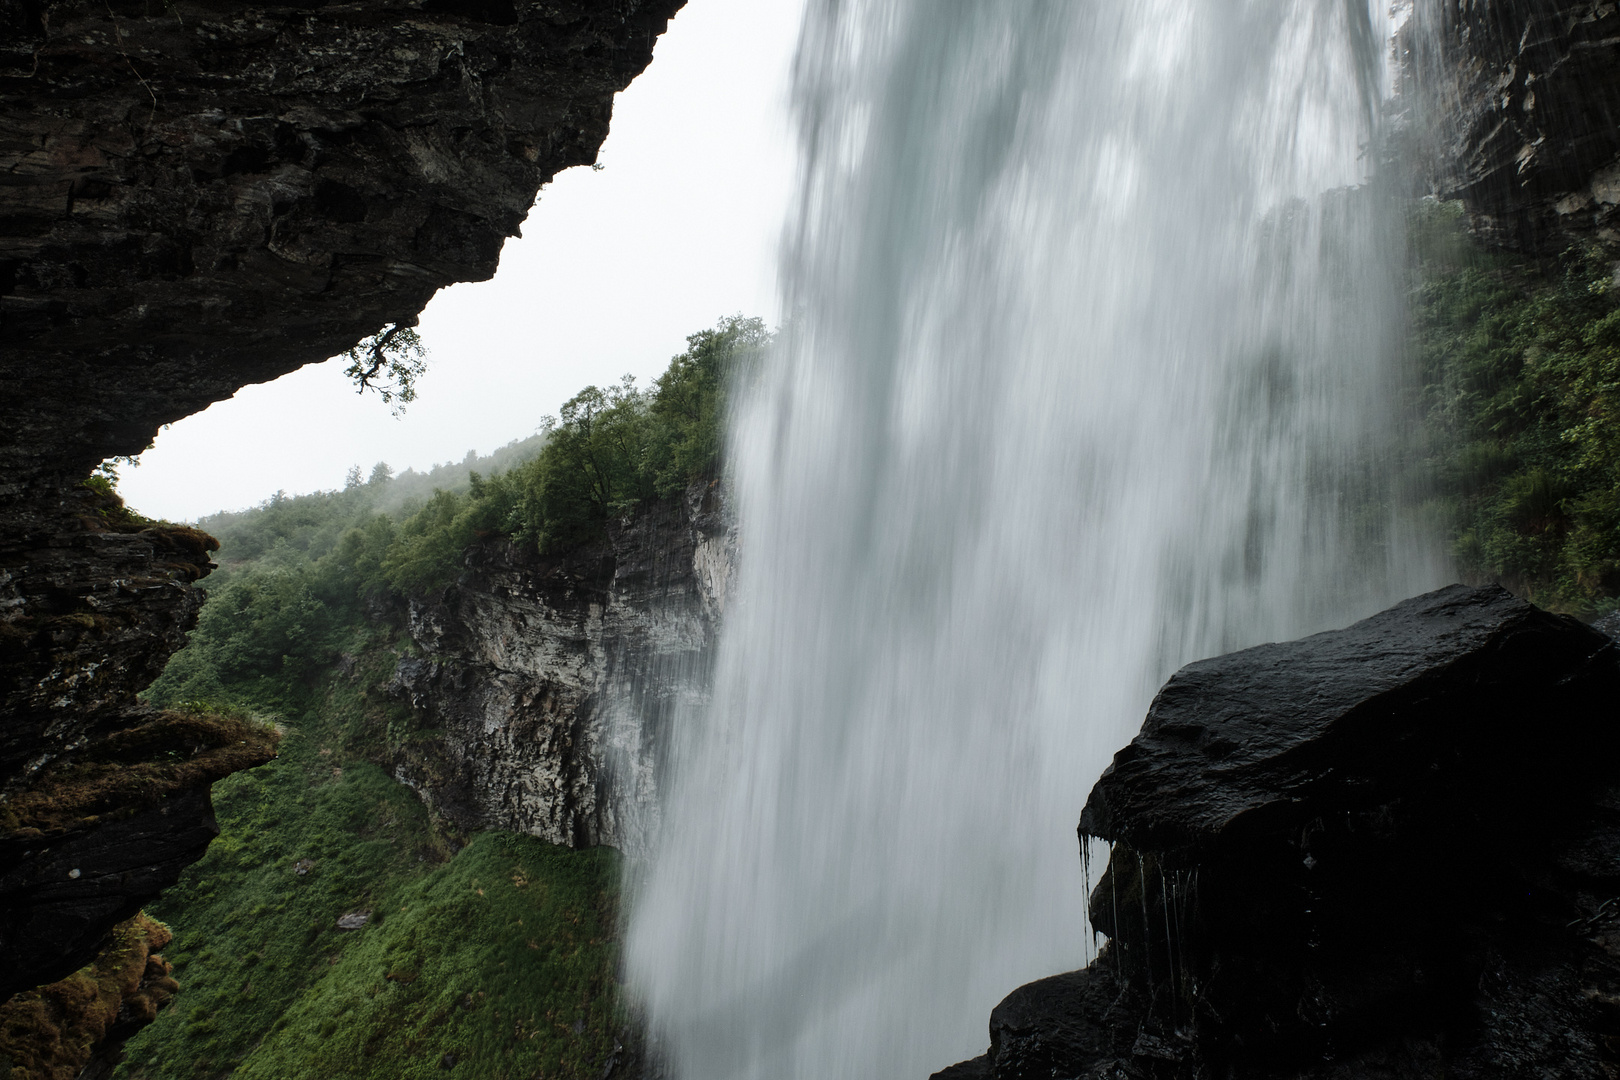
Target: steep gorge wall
<point>195,196</point>
<point>1513,106</point>
<point>552,684</point>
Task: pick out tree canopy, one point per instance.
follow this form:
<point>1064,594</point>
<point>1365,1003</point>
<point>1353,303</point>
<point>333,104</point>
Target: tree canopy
<point>297,572</point>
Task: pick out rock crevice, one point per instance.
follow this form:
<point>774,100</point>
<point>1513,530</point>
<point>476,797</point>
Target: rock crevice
<point>1514,106</point>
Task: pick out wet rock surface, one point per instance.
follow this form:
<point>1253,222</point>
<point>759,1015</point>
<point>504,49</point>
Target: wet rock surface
<point>1391,850</point>
<point>1518,105</point>
<point>60,895</point>
<point>551,682</point>
<point>92,603</point>
<point>106,826</point>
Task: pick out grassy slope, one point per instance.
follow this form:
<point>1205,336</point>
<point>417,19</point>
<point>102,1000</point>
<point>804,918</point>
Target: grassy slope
<point>496,960</point>
<point>271,987</point>
<point>501,958</point>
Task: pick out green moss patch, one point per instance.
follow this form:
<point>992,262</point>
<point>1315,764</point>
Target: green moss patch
<point>102,509</point>
<point>140,766</point>
<point>51,1033</point>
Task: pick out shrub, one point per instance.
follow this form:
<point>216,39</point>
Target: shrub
<point>1521,368</point>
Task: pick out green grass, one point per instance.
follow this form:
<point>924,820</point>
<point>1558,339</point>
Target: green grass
<point>271,988</point>
<point>497,960</point>
<point>501,958</point>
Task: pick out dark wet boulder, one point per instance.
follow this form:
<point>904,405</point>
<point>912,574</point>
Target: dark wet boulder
<point>1390,850</point>
<point>1458,690</point>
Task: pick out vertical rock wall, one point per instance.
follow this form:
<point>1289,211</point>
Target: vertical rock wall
<point>550,684</point>
<point>1514,108</point>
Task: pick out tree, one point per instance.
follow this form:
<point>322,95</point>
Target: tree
<point>690,400</point>
<point>593,466</point>
<point>389,362</point>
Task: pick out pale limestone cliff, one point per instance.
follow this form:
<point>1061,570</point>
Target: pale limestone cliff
<point>552,684</point>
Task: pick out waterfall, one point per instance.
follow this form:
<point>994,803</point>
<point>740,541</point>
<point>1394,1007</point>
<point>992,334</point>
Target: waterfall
<point>1095,322</point>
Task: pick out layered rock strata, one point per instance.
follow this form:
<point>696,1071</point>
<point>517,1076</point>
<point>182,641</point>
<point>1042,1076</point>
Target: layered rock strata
<point>197,196</point>
<point>62,893</point>
<point>201,195</point>
<point>552,683</point>
<point>93,600</point>
<point>105,827</point>
<point>1386,851</point>
<point>1516,107</point>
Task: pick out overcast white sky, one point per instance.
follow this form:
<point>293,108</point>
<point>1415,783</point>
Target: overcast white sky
<point>614,269</point>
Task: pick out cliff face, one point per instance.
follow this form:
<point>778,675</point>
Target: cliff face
<point>551,684</point>
<point>201,196</point>
<point>1384,851</point>
<point>93,600</point>
<point>198,196</point>
<point>106,826</point>
<point>1516,104</point>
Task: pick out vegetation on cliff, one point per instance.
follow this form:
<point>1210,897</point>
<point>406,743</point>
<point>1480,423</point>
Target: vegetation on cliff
<point>1520,369</point>
<point>607,451</point>
<point>298,573</point>
<point>491,954</point>
<point>52,1033</point>
<point>499,962</point>
<point>136,767</point>
<point>497,953</point>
